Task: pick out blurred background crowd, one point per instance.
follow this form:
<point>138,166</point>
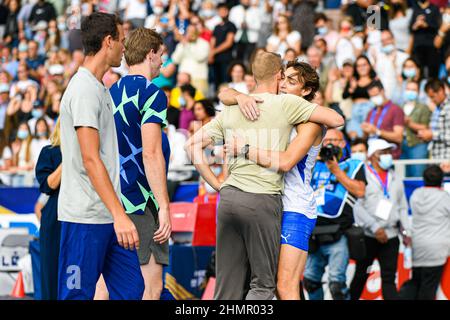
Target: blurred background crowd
<point>209,45</point>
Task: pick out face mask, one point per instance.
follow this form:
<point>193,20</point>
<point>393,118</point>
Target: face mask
<point>22,134</point>
<point>448,80</point>
<point>446,18</point>
<point>61,26</point>
<point>377,100</point>
<point>36,113</point>
<point>410,95</point>
<point>51,32</point>
<point>164,58</point>
<point>23,47</point>
<point>385,161</point>
<point>361,156</point>
<point>208,13</point>
<point>322,31</point>
<point>346,29</point>
<point>182,101</point>
<point>41,134</point>
<point>388,49</point>
<point>158,10</point>
<point>409,73</point>
<point>216,170</point>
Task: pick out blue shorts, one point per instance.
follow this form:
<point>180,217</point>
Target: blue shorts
<point>296,229</point>
<point>88,250</point>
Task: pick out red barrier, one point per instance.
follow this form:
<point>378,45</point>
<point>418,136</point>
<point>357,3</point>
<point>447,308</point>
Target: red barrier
<point>372,290</point>
<point>198,218</point>
<point>445,280</point>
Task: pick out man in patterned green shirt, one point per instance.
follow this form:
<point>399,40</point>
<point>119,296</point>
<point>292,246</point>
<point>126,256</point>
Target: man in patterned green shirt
<point>140,115</point>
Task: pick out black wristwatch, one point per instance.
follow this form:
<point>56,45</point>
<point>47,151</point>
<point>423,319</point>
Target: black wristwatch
<point>245,150</point>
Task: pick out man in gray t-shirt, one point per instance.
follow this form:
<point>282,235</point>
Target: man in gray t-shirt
<point>97,237</point>
<point>78,200</point>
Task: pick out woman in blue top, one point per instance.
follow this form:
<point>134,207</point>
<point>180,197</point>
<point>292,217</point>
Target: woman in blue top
<point>48,174</point>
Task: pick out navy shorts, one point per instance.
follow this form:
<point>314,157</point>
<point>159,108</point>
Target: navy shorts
<point>296,229</point>
<point>88,250</point>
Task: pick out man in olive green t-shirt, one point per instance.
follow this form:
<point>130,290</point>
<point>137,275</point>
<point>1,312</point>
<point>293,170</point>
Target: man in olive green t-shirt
<point>250,208</point>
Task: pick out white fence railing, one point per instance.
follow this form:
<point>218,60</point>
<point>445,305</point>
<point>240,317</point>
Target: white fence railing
<point>400,165</point>
<point>400,169</point>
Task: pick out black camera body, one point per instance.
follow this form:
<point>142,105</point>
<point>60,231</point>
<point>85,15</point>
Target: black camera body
<point>330,152</point>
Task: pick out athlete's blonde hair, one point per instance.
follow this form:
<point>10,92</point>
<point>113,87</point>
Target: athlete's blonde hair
<point>55,137</point>
<point>266,65</point>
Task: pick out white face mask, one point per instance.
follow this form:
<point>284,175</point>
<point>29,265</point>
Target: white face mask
<point>361,156</point>
<point>377,100</point>
<point>385,161</point>
<point>446,18</point>
<point>158,10</point>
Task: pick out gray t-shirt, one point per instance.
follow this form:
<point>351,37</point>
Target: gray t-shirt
<point>430,227</point>
<point>86,103</point>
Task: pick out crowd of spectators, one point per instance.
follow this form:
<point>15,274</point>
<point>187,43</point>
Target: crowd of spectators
<point>390,79</point>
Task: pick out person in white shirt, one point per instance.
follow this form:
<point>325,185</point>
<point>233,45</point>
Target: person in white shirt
<point>400,17</point>
<point>388,63</point>
<point>209,14</point>
<point>246,18</point>
<point>237,75</point>
<point>6,158</point>
<point>284,37</point>
<point>154,19</point>
<point>282,7</point>
<point>349,46</point>
<point>324,31</point>
<point>191,56</point>
<point>135,11</point>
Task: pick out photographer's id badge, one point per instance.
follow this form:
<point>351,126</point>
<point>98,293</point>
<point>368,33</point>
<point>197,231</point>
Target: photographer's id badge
<point>319,194</point>
<point>384,208</point>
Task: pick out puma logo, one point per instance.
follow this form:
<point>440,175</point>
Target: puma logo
<point>285,238</point>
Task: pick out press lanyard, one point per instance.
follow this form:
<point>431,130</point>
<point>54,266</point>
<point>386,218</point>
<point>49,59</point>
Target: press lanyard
<point>383,185</point>
<point>383,114</point>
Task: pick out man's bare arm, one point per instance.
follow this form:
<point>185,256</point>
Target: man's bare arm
<point>308,134</point>
<point>248,104</point>
<point>194,148</point>
<point>395,136</point>
<point>155,171</point>
<point>89,142</point>
<point>327,116</point>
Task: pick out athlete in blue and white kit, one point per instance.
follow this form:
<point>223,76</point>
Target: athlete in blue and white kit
<point>299,213</point>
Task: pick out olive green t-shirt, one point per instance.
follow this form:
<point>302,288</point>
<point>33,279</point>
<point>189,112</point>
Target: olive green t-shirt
<point>278,114</point>
<point>421,114</point>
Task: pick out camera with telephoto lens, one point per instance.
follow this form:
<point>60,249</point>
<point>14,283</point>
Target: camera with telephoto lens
<point>330,152</point>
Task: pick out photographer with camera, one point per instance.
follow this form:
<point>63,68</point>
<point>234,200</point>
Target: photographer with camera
<point>337,183</point>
